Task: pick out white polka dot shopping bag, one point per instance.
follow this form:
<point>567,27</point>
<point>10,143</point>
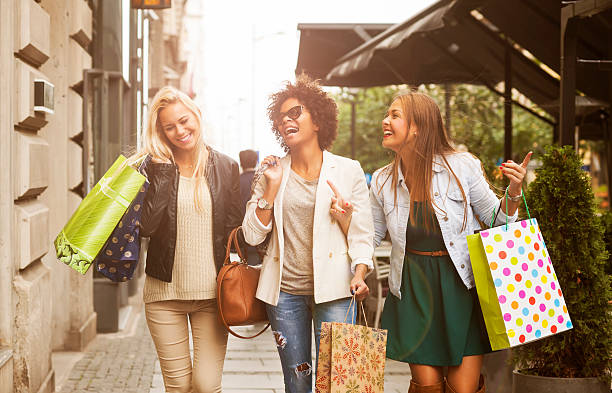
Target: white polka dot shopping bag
<point>518,290</point>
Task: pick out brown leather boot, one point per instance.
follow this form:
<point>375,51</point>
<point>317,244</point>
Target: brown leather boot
<point>416,388</point>
<point>481,386</point>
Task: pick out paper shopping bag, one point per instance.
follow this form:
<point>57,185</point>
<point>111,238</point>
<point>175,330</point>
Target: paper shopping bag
<point>487,295</point>
<point>351,359</point>
<point>84,235</point>
<point>517,287</point>
<point>119,257</point>
<point>323,379</point>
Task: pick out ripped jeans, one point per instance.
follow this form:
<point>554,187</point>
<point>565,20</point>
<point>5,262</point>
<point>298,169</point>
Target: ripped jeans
<point>291,322</point>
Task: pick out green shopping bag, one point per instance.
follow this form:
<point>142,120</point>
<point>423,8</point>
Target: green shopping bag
<point>487,295</point>
<point>84,235</point>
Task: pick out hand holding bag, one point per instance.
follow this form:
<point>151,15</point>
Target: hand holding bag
<point>351,357</point>
<point>236,287</point>
<point>84,235</point>
<point>518,290</point>
<point>119,257</point>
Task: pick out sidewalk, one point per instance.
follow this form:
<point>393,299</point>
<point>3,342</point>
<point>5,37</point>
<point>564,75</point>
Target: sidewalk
<point>113,363</point>
<point>253,366</point>
<point>127,362</point>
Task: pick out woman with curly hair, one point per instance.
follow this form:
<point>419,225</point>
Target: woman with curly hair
<point>317,255</point>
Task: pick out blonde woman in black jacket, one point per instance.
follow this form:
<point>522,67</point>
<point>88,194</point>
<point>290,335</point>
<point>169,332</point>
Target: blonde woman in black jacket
<point>192,203</point>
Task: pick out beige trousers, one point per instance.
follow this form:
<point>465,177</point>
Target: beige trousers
<point>167,322</point>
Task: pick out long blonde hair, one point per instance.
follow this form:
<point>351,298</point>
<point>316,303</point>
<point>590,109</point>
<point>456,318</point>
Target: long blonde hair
<point>157,145</point>
<point>431,141</point>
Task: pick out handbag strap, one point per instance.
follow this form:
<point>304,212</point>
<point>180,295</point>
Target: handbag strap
<point>227,327</point>
<point>233,237</point>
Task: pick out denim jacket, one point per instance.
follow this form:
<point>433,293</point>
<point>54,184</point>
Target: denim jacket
<point>447,195</point>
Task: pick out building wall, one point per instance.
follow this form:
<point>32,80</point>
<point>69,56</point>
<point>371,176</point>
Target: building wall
<point>7,267</point>
<point>73,316</point>
<point>166,47</point>
<point>44,304</point>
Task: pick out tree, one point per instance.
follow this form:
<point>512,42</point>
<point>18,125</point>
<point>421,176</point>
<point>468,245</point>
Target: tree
<point>477,123</point>
<point>562,200</point>
<point>371,106</point>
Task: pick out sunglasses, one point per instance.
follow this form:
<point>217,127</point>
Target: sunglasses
<point>293,113</point>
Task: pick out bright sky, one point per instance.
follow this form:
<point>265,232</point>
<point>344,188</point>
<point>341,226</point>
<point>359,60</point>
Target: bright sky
<point>242,51</point>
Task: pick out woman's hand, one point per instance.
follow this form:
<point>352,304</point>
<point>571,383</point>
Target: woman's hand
<point>358,285</point>
<point>516,174</point>
<point>341,210</point>
<point>274,171</point>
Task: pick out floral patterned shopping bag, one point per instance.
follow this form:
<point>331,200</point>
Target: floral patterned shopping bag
<point>351,358</point>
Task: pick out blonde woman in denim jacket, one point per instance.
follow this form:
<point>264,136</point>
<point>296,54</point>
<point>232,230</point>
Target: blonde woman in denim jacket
<point>428,198</point>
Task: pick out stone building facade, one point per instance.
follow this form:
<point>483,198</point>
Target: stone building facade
<point>47,48</point>
<point>167,39</point>
<point>44,306</point>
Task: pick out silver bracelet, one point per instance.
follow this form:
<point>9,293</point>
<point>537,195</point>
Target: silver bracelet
<point>514,198</point>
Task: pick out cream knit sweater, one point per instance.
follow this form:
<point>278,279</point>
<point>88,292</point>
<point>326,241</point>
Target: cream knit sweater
<point>194,276</point>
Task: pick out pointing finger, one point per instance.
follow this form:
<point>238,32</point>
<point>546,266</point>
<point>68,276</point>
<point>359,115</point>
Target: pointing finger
<point>334,189</point>
<point>526,160</point>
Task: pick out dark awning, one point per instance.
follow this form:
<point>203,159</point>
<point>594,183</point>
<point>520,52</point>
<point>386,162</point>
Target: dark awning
<point>322,44</point>
<point>536,26</point>
<point>446,43</point>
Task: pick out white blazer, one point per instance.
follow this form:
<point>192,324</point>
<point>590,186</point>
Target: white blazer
<point>392,216</point>
<point>335,255</point>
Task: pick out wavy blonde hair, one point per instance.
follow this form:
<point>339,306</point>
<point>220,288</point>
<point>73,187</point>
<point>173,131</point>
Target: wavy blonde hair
<point>159,147</point>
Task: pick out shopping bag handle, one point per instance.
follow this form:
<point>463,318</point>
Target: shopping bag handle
<point>506,196</point>
<point>143,162</point>
<point>353,301</point>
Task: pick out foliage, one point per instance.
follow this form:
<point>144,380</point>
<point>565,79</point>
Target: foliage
<point>562,200</point>
<point>606,219</point>
<point>477,122</point>
<point>371,106</point>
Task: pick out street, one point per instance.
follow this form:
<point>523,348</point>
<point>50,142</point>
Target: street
<point>126,362</point>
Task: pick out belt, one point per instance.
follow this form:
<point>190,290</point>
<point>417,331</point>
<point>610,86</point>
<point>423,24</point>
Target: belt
<point>428,253</point>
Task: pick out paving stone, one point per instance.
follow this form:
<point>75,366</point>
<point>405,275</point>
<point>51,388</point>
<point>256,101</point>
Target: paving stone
<point>128,364</point>
<point>115,363</point>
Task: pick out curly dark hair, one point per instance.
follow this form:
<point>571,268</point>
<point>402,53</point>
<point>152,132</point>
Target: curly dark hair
<point>319,104</point>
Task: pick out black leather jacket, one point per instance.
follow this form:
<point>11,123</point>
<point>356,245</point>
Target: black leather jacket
<point>158,220</point>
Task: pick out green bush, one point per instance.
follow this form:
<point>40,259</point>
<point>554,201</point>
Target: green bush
<point>606,219</point>
<point>562,200</point>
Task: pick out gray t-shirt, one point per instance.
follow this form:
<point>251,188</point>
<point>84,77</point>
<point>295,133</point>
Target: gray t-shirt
<point>298,214</point>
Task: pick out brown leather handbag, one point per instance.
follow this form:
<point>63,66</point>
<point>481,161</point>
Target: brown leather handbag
<point>236,288</point>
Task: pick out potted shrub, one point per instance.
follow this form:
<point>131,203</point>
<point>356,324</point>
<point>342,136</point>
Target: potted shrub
<point>578,360</point>
<point>606,218</point>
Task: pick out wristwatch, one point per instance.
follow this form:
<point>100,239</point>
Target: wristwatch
<point>514,198</point>
<point>263,204</point>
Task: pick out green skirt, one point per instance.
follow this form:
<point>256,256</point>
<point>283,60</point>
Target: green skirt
<point>438,320</point>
